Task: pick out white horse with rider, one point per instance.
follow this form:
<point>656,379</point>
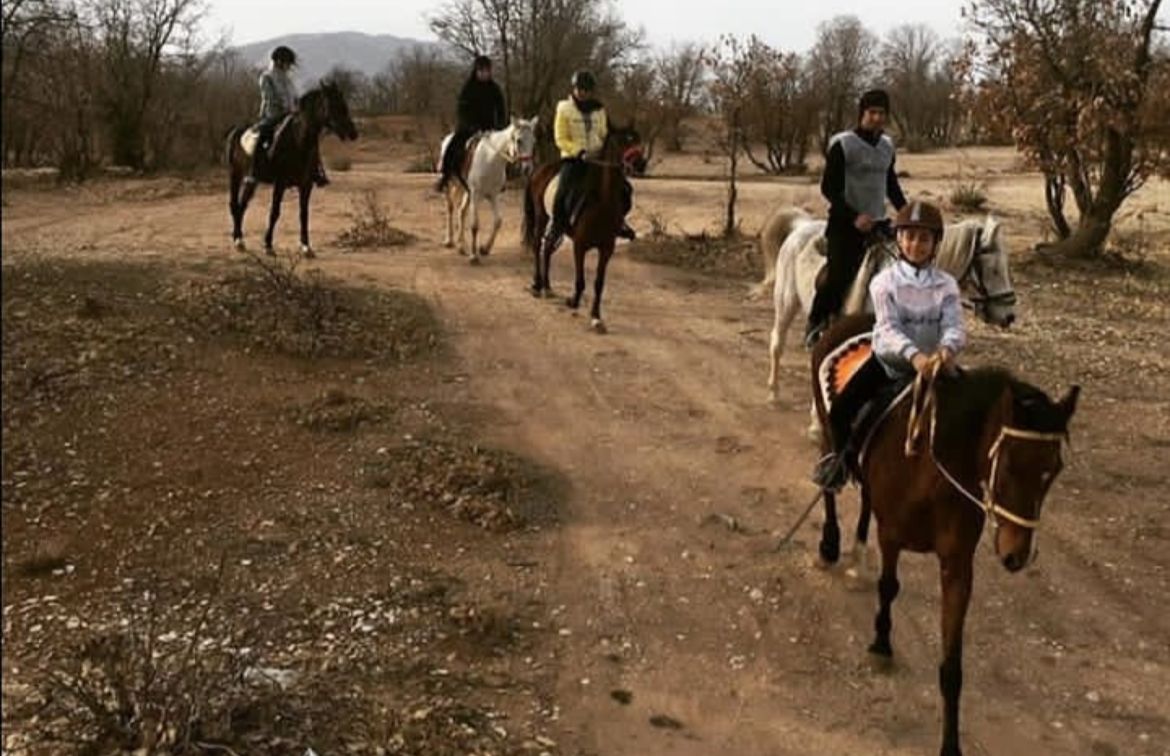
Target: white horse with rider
<point>793,246</point>
<point>483,177</point>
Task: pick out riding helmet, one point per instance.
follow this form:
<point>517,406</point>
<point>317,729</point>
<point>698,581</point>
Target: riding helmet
<point>482,61</point>
<point>584,80</point>
<point>284,54</point>
<point>919,214</point>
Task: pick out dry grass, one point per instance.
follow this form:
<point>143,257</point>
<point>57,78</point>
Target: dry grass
<point>370,225</point>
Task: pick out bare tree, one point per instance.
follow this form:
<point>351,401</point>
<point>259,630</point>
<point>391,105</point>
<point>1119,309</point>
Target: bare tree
<point>1077,80</point>
<point>917,68</point>
<point>733,63</point>
<point>540,43</point>
<point>842,64</point>
<point>780,111</point>
<point>680,71</point>
<point>135,35</point>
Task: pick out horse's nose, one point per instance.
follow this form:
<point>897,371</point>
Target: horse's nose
<point>1015,562</point>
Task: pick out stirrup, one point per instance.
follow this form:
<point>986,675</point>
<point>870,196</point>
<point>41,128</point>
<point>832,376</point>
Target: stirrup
<point>813,335</point>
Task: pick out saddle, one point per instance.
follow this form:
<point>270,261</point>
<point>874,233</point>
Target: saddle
<point>833,375</point>
<point>250,139</point>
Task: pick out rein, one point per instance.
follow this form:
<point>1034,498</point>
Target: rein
<point>509,156</point>
<point>925,402</point>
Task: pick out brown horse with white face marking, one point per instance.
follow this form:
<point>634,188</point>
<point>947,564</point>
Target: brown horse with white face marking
<point>294,158</point>
<point>983,445</point>
<point>596,226</point>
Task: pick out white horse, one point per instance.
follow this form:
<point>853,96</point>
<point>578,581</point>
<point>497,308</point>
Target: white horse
<point>792,243</point>
<point>485,178</point>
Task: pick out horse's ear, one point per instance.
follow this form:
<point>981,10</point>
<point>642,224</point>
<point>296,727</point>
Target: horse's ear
<point>532,123</point>
<point>1068,404</point>
<point>512,120</point>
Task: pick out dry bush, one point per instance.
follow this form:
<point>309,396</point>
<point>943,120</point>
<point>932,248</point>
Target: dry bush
<point>274,306</point>
<point>968,196</point>
<point>370,225</point>
<point>733,256</point>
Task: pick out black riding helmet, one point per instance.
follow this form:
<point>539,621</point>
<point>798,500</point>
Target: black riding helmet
<point>481,61</point>
<point>284,54</point>
<point>585,81</point>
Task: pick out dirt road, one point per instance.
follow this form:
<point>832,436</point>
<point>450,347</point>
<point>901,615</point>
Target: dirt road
<point>679,634</point>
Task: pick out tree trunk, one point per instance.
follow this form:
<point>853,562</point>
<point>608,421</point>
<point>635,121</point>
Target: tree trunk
<point>1054,198</point>
<point>1088,241</point>
<point>732,191</point>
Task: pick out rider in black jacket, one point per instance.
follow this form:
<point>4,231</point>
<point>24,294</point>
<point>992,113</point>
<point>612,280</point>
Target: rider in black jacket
<point>481,108</point>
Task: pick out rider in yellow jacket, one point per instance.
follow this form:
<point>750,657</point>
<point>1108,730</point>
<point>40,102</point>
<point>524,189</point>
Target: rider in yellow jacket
<point>579,129</point>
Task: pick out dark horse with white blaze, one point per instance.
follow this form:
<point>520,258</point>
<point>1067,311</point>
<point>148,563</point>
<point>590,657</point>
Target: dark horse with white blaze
<point>980,445</point>
<point>597,223</point>
<point>295,155</point>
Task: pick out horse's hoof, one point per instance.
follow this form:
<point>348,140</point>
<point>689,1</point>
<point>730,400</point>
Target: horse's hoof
<point>597,326</point>
<point>474,260</point>
<point>536,292</point>
<point>270,251</point>
<point>882,650</point>
<point>308,252</point>
<point>571,303</point>
<point>484,252</point>
<point>830,552</point>
<point>239,245</point>
<point>448,244</point>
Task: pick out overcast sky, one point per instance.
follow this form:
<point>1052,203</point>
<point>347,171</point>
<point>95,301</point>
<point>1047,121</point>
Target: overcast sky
<point>787,24</point>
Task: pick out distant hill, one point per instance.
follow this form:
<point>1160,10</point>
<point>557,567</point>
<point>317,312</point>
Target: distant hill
<point>317,53</point>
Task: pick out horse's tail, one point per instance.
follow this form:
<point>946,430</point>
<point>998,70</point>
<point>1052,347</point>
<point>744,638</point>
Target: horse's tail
<point>529,213</point>
<point>775,230</point>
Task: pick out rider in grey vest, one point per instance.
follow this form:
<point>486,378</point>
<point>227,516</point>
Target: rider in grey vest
<point>859,176</point>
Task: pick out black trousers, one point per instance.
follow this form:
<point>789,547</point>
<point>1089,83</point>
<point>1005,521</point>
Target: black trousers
<point>865,385</point>
<point>846,250</point>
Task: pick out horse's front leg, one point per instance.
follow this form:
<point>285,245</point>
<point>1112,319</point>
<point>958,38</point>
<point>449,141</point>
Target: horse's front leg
<point>956,595</point>
<point>830,546</point>
<point>304,192</point>
<point>888,587</point>
<point>497,221</point>
<point>273,216</point>
<point>784,310</point>
<point>605,252</point>
<point>474,209</point>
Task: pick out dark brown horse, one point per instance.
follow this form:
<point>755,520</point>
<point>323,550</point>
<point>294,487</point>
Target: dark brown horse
<point>596,225</point>
<point>983,445</point>
<point>294,158</point>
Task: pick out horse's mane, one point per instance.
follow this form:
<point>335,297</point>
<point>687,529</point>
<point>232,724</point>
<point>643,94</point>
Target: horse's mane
<point>965,401</point>
<point>309,97</point>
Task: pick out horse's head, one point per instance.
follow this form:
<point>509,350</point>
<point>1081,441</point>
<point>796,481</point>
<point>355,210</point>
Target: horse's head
<point>994,299</point>
<point>623,144</point>
<point>522,142</point>
<point>1025,459</point>
<point>335,112</point>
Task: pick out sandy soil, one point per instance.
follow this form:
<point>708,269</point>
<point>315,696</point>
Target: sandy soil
<point>650,626</point>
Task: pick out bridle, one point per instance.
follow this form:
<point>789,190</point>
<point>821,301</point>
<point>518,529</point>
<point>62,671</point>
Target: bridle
<point>982,297</point>
<point>924,401</point>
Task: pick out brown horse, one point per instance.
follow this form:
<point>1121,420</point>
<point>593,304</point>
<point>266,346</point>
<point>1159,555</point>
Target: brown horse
<point>596,225</point>
<point>983,444</point>
<point>295,155</point>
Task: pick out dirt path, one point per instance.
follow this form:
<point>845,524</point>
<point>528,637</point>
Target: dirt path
<point>716,644</point>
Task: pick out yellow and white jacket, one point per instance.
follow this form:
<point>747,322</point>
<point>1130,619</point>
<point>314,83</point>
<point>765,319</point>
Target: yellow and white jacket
<point>575,131</point>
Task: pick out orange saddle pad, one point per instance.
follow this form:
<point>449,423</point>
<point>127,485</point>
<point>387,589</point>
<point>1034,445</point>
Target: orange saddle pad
<point>841,364</point>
